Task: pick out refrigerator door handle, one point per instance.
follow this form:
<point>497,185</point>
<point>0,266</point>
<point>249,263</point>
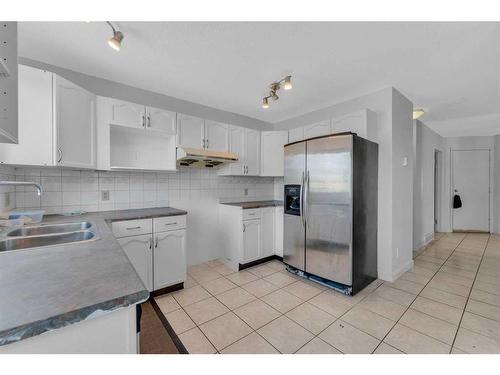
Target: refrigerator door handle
<point>306,198</point>
<point>301,200</point>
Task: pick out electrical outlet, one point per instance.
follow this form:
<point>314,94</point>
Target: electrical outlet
<point>105,195</point>
<point>245,191</point>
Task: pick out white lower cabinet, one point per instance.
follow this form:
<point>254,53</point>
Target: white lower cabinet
<point>268,229</point>
<point>251,240</point>
<point>158,256</point>
<point>278,231</point>
<point>169,258</point>
<point>139,252</point>
<point>251,234</point>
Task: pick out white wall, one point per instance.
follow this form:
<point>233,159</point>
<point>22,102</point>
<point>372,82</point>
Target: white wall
<point>394,125</point>
<point>402,184</point>
<point>426,142</point>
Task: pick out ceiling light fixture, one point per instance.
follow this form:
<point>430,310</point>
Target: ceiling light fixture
<point>115,41</point>
<point>285,82</point>
<point>417,113</point>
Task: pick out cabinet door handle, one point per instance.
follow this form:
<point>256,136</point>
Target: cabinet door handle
<point>171,223</point>
<point>132,228</point>
<point>150,244</point>
<point>156,242</point>
<point>244,227</point>
<point>149,121</point>
<point>143,119</point>
<point>206,143</point>
<point>59,151</point>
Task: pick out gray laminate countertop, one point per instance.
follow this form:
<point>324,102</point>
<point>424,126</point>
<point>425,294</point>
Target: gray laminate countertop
<point>50,287</point>
<point>256,204</point>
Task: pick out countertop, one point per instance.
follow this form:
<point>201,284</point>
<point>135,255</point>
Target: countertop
<point>46,288</point>
<point>256,204</point>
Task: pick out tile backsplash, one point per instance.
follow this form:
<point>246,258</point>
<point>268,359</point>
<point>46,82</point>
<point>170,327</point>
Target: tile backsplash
<point>67,190</point>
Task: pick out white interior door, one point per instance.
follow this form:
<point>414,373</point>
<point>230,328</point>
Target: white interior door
<point>471,181</point>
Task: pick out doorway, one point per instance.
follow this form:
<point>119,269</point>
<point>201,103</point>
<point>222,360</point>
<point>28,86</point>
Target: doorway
<point>438,173</point>
<point>471,183</point>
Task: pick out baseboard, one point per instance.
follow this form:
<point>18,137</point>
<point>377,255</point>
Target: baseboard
<point>168,289</point>
<point>408,266</point>
<point>259,261</point>
<point>428,239</point>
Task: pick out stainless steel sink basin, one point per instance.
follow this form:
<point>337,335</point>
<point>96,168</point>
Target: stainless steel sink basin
<point>46,240</point>
<point>49,229</point>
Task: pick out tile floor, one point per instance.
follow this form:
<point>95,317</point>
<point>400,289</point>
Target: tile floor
<point>448,303</point>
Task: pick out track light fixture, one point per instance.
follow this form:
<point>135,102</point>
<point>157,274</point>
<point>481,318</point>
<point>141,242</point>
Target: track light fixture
<point>285,83</point>
<point>418,112</point>
<point>115,41</point>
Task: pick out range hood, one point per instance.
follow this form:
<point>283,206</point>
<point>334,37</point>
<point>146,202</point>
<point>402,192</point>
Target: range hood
<point>201,158</point>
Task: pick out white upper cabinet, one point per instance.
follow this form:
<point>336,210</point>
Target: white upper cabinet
<point>317,129</point>
<point>139,116</point>
<point>272,153</point>
<point>126,114</point>
<point>35,145</point>
<point>216,136</point>
<point>237,146</point>
<point>296,135</point>
<point>246,144</point>
<point>57,122</point>
<point>252,152</point>
<point>194,132</point>
<point>161,120</point>
<point>75,125</point>
<point>363,123</point>
<point>190,131</point>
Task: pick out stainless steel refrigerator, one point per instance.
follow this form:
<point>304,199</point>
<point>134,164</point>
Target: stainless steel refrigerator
<point>330,215</point>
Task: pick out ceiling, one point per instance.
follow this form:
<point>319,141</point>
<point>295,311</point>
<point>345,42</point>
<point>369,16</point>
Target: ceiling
<point>450,69</point>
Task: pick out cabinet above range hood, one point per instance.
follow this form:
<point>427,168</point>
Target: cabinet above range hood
<point>201,158</point>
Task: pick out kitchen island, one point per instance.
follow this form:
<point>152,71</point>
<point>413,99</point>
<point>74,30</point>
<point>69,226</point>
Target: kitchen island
<point>76,297</point>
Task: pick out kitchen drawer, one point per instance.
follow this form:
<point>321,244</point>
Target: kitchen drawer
<point>163,224</point>
<point>252,213</point>
<point>132,227</point>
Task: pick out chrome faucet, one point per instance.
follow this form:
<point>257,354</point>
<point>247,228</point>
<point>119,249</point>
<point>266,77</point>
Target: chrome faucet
<point>22,183</point>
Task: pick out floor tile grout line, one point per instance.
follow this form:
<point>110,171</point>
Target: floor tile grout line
<point>435,272</point>
<point>230,310</point>
<point>339,318</point>
<point>416,298</point>
<point>281,314</point>
<point>470,292</point>
<point>432,316</point>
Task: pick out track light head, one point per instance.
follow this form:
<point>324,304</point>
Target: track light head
<point>265,103</point>
<point>418,112</point>
<point>115,41</point>
<point>287,85</point>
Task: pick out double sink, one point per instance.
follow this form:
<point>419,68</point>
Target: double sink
<point>47,235</point>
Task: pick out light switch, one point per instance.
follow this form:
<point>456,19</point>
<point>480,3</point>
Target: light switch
<point>405,161</point>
